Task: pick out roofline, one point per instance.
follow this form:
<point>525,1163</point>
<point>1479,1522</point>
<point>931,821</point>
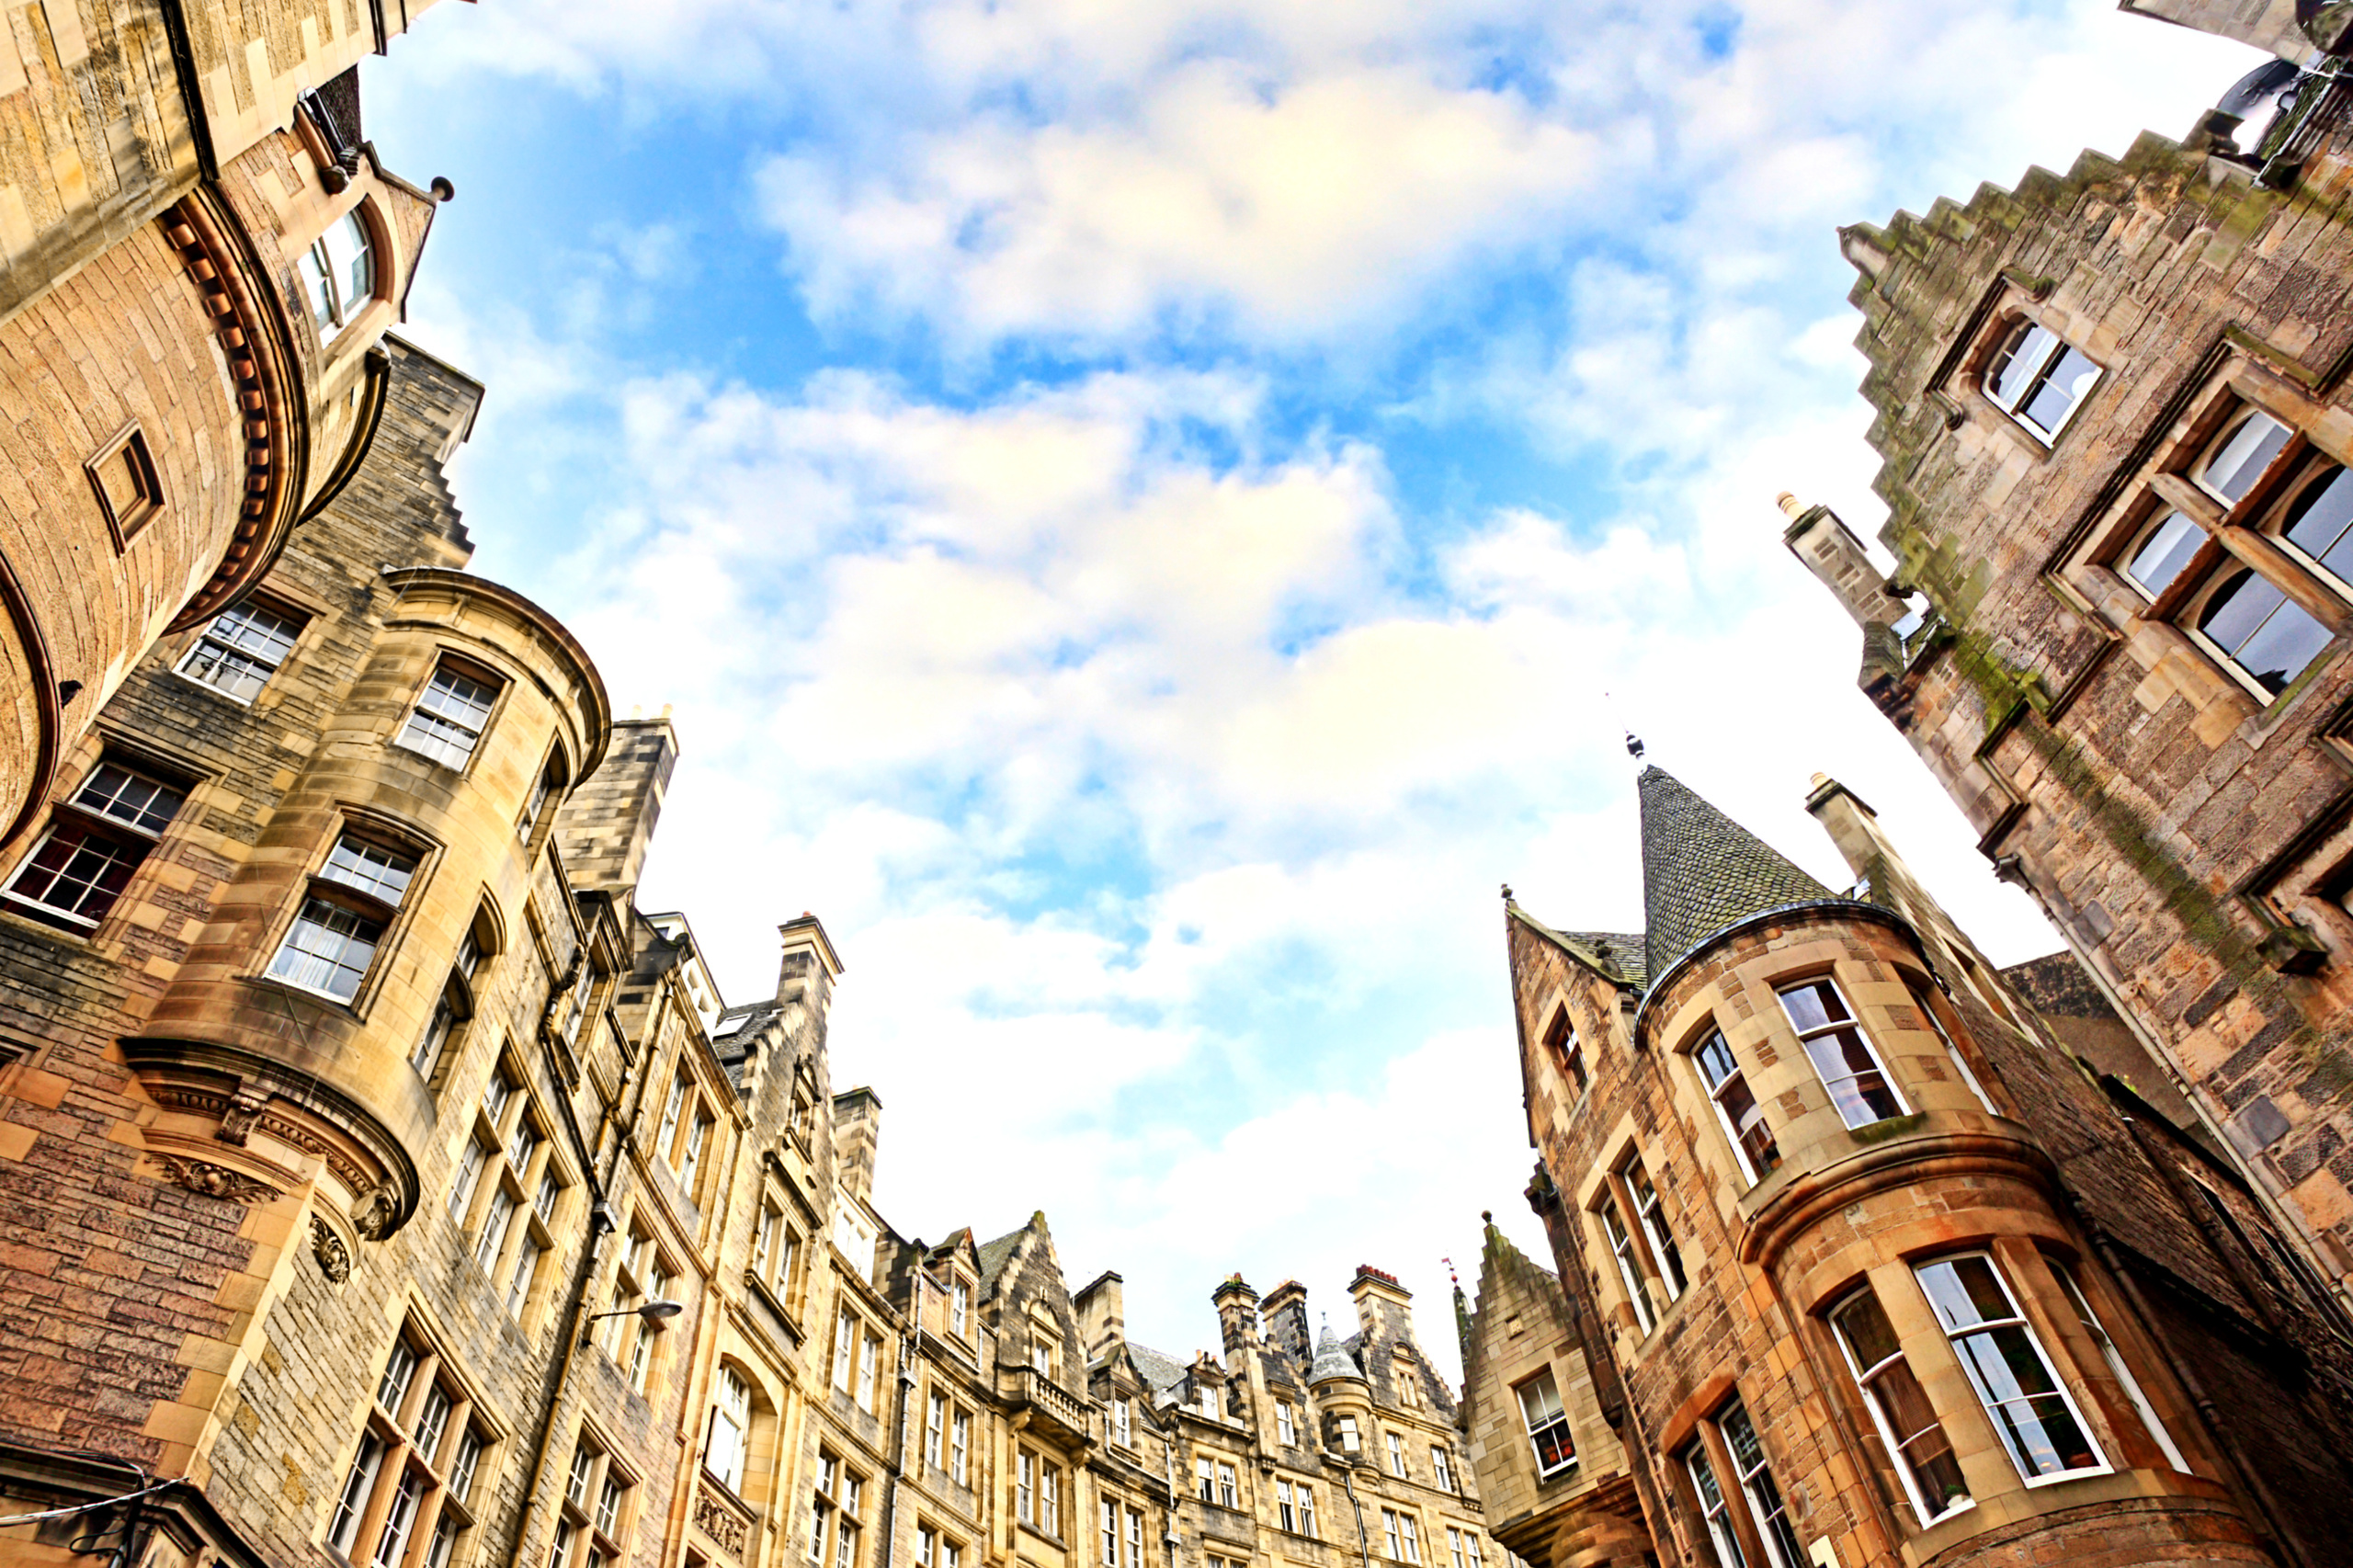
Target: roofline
<point>1849,906</point>
<point>559,636</point>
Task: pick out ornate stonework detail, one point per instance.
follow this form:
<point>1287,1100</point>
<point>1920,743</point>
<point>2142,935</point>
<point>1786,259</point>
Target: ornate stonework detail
<point>217,1181</point>
<point>372,1216</point>
<point>335,1259</point>
<point>238,1118</point>
<point>720,1522</point>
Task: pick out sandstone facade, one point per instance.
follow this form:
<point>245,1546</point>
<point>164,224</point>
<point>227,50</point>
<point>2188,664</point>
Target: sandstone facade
<point>1807,1160</point>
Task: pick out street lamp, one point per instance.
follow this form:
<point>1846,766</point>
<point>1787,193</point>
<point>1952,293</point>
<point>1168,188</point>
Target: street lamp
<point>655,1312</point>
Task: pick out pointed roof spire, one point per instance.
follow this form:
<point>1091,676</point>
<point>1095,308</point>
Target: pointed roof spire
<point>1332,1360</point>
<point>1701,870</point>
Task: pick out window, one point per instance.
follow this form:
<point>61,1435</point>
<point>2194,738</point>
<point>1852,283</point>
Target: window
<point>1407,1380</point>
<point>97,840</point>
<point>2039,381</point>
<point>350,902</point>
<point>1122,1424</point>
<point>1049,1518</point>
<point>242,649</point>
<point>1651,1215</point>
<point>926,1547</point>
<point>1396,1453</point>
<point>1471,1545</point>
<point>1548,1425</point>
<point>960,1307</point>
<point>1229,1496</point>
<point>1765,1508</point>
<point>419,1454</point>
<point>1713,1507</point>
<point>730,1430</point>
<point>1107,1533</point>
<point>687,1126</point>
<point>1135,1540</point>
<point>1350,1440</point>
<point>870,1361</point>
<point>1285,1510</point>
<point>122,478</point>
<point>1441,1467</point>
<point>548,787</point>
<point>837,1511</point>
<point>935,1430</point>
<point>1401,1535</point>
<point>2163,552</point>
<point>2241,455</point>
<point>1041,1353</point>
<point>1454,1548</point>
<point>339,274</point>
<point>1849,1066</point>
<point>2034,1416</point>
<point>1926,1005</point>
<point>1630,1272</point>
<point>448,721</point>
<point>1900,1407</point>
<point>1561,1044</point>
<point>960,1448</point>
<point>639,1277</point>
<point>512,1157</point>
<point>764,1233</point>
<point>845,1348</point>
<point>1304,1495</point>
<point>1286,1426</point>
<point>1737,1108</point>
<point>593,1514</point>
<point>2116,1365</point>
<point>2259,632</point>
<point>1024,1486</point>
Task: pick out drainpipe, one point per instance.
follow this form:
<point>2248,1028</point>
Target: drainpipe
<point>909,1347</point>
<point>1348,1479</point>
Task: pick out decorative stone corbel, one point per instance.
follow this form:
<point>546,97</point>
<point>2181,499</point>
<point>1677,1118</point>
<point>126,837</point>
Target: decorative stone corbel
<point>333,1258</point>
<point>217,1181</point>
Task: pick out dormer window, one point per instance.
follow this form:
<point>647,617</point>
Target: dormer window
<point>2040,380</point>
<point>339,274</point>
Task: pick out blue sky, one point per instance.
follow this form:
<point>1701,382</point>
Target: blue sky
<point>1147,511</point>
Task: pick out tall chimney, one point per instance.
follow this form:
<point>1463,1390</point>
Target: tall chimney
<point>857,1128</point>
<point>1237,1317</point>
<point>606,822</point>
<point>1832,553</point>
<point>1384,1308</point>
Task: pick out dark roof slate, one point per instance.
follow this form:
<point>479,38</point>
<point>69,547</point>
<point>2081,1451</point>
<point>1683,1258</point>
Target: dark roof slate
<point>992,1256</point>
<point>1701,870</point>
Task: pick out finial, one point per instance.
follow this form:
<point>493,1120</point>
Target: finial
<point>1790,505</point>
<point>1633,745</point>
<point>1449,1272</point>
<point>1488,1215</point>
<point>1507,892</point>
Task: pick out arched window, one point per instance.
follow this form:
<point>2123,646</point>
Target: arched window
<point>339,274</point>
<point>2040,380</point>
<point>730,1430</point>
<point>2240,456</point>
<point>2259,632</point>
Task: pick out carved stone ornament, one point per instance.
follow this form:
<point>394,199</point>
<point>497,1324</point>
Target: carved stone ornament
<point>217,1181</point>
<point>335,1260</point>
<point>237,1121</point>
<point>372,1215</point>
<point>720,1522</point>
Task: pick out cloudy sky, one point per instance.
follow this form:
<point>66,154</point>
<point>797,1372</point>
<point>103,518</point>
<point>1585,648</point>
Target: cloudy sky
<point>1148,511</point>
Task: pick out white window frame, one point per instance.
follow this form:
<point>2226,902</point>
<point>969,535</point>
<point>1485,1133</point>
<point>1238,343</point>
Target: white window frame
<point>250,642</point>
<point>2050,1369</point>
<point>1852,1022</point>
<point>2046,360</point>
<point>1750,1175</point>
<point>2117,1367</point>
<point>1539,1420</point>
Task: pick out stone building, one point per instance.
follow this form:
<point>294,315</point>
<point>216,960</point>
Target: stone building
<point>2111,408</point>
<point>1855,1262</point>
<point>198,253</point>
<point>381,1186</point>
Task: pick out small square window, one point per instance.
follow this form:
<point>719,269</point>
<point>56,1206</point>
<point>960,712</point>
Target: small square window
<point>122,476</point>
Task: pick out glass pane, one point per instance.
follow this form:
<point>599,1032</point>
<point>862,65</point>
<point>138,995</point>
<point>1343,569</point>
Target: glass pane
<point>315,268</point>
<point>1811,1007</point>
<point>2167,552</point>
<point>354,263</point>
<point>2017,363</point>
<point>329,949</point>
<point>2238,610</point>
<point>1715,1060</point>
<point>2322,514</point>
<point>1965,1292</point>
<point>381,873</point>
<point>2239,461</point>
<point>1870,1337</point>
<point>129,797</point>
<point>78,871</point>
<point>2282,647</point>
<point>2071,377</point>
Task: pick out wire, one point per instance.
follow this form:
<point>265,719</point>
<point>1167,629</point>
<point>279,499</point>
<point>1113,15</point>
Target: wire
<point>6,1521</point>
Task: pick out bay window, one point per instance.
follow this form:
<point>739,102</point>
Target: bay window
<point>1741,1117</point>
<point>1899,1407</point>
<point>2032,1412</point>
<point>1843,1056</point>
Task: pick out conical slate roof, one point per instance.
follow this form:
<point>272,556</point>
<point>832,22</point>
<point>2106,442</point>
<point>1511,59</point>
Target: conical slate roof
<point>1701,870</point>
<point>1332,1360</point>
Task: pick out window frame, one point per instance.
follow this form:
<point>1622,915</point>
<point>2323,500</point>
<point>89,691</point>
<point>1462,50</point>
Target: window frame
<point>2009,336</point>
<point>1566,1051</point>
<point>1745,1160</point>
<point>459,666</point>
<point>321,886</point>
<point>1830,1029</point>
<point>129,835</point>
<point>2087,1319</point>
<point>2020,1320</point>
<point>249,608</point>
<point>500,1181</point>
<point>432,1481</point>
<point>1866,1380</point>
<point>1557,1418</point>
